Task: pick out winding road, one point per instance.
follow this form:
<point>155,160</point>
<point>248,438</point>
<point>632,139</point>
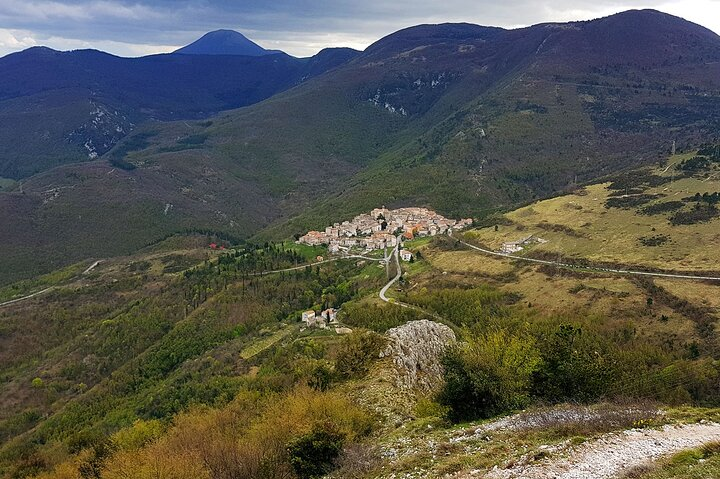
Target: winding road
<point>590,268</point>
<point>383,292</point>
<point>396,255</point>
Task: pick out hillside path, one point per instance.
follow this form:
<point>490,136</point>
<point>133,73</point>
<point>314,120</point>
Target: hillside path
<point>613,454</point>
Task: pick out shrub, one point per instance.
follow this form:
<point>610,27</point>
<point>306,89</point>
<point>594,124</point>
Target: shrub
<point>699,214</point>
<point>356,353</point>
<point>312,455</point>
<point>275,436</point>
<point>139,434</point>
<point>488,375</point>
<point>320,377</point>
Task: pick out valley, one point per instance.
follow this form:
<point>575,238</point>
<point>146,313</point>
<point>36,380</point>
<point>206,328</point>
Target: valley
<point>464,252</point>
<point>447,281</point>
<point>492,121</point>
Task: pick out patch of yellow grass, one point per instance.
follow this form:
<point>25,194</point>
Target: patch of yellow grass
<point>469,262</point>
<point>700,294</point>
<point>261,345</point>
<point>581,226</point>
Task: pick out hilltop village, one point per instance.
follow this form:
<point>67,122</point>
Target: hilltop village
<point>378,229</point>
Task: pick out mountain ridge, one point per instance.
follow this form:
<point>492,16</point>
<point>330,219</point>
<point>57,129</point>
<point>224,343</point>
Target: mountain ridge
<point>49,99</point>
<point>469,126</point>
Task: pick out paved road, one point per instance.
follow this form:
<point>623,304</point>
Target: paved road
<point>17,300</point>
<point>591,268</point>
<point>303,266</point>
<point>47,290</point>
<point>394,255</point>
<point>383,292</point>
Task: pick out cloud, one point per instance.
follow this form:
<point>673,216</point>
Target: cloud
<point>11,41</point>
<point>52,11</point>
<point>300,27</point>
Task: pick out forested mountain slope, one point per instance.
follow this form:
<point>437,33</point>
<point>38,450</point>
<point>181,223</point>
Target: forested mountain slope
<point>463,118</point>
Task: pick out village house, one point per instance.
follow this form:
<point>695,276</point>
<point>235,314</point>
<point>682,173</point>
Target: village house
<point>406,255</point>
<point>309,318</point>
<point>313,238</point>
<point>329,315</point>
<point>517,246</point>
<point>511,247</point>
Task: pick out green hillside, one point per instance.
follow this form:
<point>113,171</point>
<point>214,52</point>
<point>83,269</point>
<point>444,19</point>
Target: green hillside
<point>147,359</point>
<point>465,119</point>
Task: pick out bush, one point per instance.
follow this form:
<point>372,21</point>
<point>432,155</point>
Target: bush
<point>488,375</point>
<point>320,377</point>
<point>699,214</point>
<point>312,455</point>
<point>136,436</point>
<point>274,436</point>
<point>356,353</point>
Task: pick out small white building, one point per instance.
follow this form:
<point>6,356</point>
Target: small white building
<point>511,247</point>
<point>309,318</point>
<point>330,315</point>
<point>406,255</point>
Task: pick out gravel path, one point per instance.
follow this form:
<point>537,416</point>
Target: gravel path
<point>613,454</point>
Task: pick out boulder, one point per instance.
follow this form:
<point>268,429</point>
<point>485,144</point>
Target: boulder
<point>415,350</point>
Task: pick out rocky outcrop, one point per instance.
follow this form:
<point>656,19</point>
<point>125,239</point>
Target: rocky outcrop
<point>416,349</point>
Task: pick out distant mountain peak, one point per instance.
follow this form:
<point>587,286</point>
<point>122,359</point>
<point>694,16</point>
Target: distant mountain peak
<point>225,42</point>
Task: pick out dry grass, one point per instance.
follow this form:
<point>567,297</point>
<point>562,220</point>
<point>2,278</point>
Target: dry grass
<point>580,226</point>
<point>468,262</point>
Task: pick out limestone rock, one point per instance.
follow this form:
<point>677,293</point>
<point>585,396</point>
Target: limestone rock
<point>416,349</point>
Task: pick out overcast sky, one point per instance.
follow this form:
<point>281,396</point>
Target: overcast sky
<point>299,27</point>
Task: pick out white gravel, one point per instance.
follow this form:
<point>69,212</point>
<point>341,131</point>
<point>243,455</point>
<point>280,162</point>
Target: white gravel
<point>613,454</point>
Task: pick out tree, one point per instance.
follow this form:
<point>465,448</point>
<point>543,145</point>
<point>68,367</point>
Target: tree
<point>575,366</point>
<point>320,378</point>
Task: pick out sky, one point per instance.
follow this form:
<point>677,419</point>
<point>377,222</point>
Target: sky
<point>298,27</point>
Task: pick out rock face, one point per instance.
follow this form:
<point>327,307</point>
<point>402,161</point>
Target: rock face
<point>415,350</point>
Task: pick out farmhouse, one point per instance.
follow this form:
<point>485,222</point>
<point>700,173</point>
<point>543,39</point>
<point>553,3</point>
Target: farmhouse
<point>517,246</point>
<point>330,315</point>
<point>406,255</point>
<point>309,318</point>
